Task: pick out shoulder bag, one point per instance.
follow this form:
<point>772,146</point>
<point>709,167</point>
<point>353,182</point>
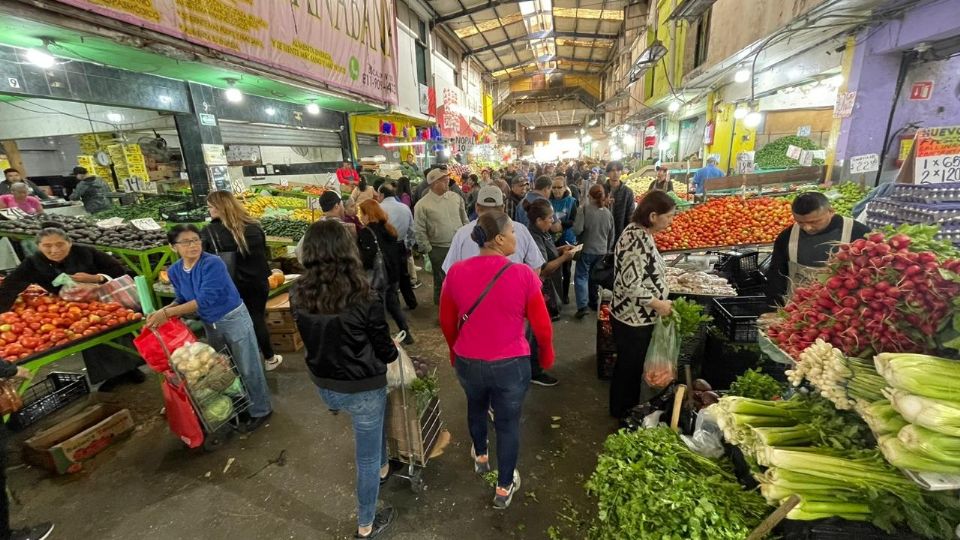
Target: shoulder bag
<point>466,316</point>
<point>377,274</point>
<point>229,258</point>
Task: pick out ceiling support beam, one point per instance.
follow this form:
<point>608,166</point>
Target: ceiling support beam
<point>585,35</point>
<point>475,9</point>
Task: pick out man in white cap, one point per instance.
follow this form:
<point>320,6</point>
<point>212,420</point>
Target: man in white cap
<point>436,218</point>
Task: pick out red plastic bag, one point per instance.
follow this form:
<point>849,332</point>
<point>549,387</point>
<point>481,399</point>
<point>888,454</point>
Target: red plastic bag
<point>156,345</point>
<point>181,417</point>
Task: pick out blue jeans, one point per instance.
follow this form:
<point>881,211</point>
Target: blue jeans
<point>367,410</point>
<point>501,384</point>
<point>581,279</point>
<point>235,330</point>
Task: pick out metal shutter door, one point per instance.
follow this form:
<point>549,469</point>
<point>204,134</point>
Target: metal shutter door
<point>260,135</point>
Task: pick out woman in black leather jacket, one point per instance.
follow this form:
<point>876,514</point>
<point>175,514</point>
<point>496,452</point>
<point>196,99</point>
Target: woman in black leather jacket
<point>344,328</point>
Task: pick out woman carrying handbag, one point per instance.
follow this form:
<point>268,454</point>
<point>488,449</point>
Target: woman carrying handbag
<point>382,256</point>
<point>237,238</point>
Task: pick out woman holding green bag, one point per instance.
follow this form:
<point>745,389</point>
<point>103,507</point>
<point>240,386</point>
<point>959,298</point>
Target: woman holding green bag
<point>639,296</point>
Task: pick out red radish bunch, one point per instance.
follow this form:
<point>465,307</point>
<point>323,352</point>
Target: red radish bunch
<point>879,294</point>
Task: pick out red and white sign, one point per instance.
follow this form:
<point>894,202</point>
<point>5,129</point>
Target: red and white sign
<point>921,90</point>
<point>650,135</point>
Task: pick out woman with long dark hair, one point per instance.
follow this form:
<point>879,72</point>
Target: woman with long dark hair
<point>348,347</point>
<point>363,192</point>
<point>483,308</point>
<point>639,296</point>
<point>379,235</point>
<point>234,230</point>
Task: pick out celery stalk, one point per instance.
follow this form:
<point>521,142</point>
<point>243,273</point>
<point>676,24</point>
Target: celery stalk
<point>899,456</point>
<point>920,374</point>
<point>939,415</point>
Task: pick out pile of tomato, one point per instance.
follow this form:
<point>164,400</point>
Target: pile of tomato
<point>727,221</point>
<point>39,322</point>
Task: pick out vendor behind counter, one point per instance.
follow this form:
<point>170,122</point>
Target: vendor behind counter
<point>57,255</point>
<point>802,249</point>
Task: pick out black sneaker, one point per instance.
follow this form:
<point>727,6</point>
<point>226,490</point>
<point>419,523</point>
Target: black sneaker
<point>381,522</point>
<point>582,312</point>
<point>544,379</point>
<point>255,423</point>
<point>37,532</point>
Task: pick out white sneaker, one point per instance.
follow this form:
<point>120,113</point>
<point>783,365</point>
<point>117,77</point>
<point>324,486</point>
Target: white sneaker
<point>272,363</point>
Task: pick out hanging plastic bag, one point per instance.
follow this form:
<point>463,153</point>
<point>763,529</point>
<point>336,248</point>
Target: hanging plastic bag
<point>121,290</point>
<point>707,439</point>
<point>156,345</point>
<point>71,291</point>
<point>401,371</point>
<point>660,365</point>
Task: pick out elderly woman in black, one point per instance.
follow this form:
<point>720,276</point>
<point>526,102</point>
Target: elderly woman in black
<point>83,264</point>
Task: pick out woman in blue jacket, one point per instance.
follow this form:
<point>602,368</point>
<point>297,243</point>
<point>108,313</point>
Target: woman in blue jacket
<point>565,212</point>
<point>203,286</point>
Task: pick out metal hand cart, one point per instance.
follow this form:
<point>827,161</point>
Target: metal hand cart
<point>413,429</point>
<point>223,381</point>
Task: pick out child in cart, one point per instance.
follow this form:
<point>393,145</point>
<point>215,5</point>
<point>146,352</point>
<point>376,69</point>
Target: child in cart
<point>203,286</point>
<point>348,347</point>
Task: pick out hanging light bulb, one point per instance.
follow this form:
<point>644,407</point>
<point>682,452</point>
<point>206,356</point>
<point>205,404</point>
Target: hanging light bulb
<point>629,139</point>
<point>740,112</point>
<point>41,57</point>
<point>752,119</point>
<point>674,106</point>
<point>742,75</point>
<point>114,117</point>
<point>232,94</point>
<point>313,108</point>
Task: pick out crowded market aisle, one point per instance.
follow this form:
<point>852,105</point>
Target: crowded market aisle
<point>150,487</point>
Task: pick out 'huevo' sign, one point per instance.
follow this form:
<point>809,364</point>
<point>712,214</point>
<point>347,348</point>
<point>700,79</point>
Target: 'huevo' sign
<point>347,44</point>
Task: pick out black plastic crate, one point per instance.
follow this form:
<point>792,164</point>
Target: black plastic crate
<point>735,265</point>
<point>48,396</point>
<point>736,317</point>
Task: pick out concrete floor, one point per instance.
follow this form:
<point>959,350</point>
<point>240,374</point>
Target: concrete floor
<point>151,487</point>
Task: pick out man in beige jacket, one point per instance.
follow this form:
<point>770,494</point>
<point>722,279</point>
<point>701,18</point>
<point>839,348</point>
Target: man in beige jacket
<point>436,218</point>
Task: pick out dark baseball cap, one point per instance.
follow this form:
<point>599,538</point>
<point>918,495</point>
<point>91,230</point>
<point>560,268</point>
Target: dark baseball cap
<point>78,170</point>
<point>329,200</point>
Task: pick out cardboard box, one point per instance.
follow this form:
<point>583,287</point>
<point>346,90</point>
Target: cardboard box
<point>279,317</point>
<point>287,342</point>
<point>64,447</point>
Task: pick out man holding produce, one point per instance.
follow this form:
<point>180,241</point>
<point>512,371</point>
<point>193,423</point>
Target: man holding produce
<point>801,249</point>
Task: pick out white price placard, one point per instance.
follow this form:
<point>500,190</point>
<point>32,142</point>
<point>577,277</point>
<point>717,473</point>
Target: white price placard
<point>793,152</point>
<point>313,203</point>
<point>938,155</point>
<point>864,164</point>
<point>806,158</point>
<point>146,224</point>
<point>284,182</point>
<point>804,131</point>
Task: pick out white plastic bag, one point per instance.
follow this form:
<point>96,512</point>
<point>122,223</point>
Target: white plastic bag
<point>707,439</point>
<point>400,372</point>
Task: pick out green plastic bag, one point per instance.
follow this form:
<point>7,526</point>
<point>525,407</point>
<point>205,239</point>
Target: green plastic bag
<point>660,364</point>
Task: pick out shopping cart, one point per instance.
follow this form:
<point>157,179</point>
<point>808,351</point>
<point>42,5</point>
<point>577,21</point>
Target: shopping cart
<point>222,385</point>
<point>413,429</point>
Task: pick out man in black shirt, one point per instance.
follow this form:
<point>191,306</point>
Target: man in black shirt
<point>623,199</point>
<point>802,249</point>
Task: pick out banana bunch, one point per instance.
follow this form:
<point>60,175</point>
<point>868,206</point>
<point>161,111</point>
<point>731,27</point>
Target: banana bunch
<point>256,206</point>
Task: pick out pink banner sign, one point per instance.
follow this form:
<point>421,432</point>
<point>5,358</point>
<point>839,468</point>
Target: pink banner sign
<point>347,44</point>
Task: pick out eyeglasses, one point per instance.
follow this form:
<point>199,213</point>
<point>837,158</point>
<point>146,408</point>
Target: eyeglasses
<point>193,242</point>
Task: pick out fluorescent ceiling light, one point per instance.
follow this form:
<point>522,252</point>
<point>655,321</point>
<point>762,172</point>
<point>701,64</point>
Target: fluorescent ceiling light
<point>232,94</point>
<point>41,58</point>
<point>313,108</point>
<point>270,111</point>
<point>674,106</point>
<point>114,117</point>
<point>742,75</point>
<point>397,144</point>
<point>594,122</point>
<point>527,8</point>
<point>740,112</point>
<point>752,119</point>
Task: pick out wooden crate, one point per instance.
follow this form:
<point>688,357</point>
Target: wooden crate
<point>279,317</point>
<point>286,343</point>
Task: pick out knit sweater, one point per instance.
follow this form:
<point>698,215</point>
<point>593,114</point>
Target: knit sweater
<point>640,277</point>
<point>594,229</point>
<point>437,218</point>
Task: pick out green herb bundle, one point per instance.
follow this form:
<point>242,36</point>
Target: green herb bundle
<point>648,484</point>
<point>689,317</point>
<point>756,385</point>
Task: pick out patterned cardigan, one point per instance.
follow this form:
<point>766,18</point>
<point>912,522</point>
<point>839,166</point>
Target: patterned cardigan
<point>640,277</point>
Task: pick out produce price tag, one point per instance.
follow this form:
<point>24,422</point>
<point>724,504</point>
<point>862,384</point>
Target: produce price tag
<point>110,223</point>
<point>793,152</point>
<point>313,203</point>
<point>864,164</point>
<point>284,182</point>
<point>806,158</point>
<point>938,155</point>
<point>935,481</point>
<point>13,213</point>
<point>146,224</point>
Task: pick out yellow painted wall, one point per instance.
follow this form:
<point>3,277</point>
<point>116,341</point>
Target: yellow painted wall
<point>743,141</point>
<point>488,109</point>
<point>675,48</point>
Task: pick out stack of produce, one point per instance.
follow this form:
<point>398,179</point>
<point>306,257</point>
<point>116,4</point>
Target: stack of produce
<point>39,322</point>
<point>754,384</point>
<point>727,221</point>
<point>648,484</point>
<point>210,378</point>
<point>681,281</point>
<point>82,231</point>
<point>284,228</point>
<point>806,447</point>
<point>889,292</point>
<point>257,205</point>
<point>306,189</point>
<point>640,184</point>
<point>924,391</point>
<point>926,204</point>
<point>842,197</point>
<point>773,155</point>
<point>149,207</point>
